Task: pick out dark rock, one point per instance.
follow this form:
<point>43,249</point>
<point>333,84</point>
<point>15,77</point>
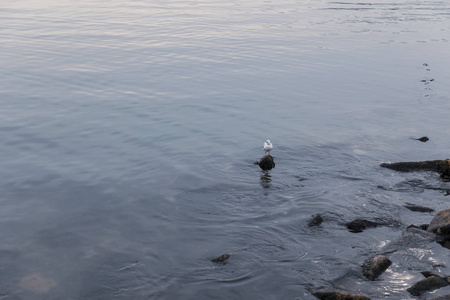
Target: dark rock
<point>421,232</point>
<point>374,266</point>
<point>421,227</point>
<point>431,283</point>
<point>431,165</point>
<point>418,208</point>
<point>221,258</point>
<point>316,220</point>
<point>440,224</point>
<point>427,274</point>
<point>440,166</point>
<point>423,139</point>
<point>359,225</point>
<point>267,163</point>
<point>445,243</point>
<point>445,174</point>
<point>332,294</point>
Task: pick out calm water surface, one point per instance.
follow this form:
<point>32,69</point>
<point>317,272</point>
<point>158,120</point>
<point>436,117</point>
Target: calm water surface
<point>129,131</point>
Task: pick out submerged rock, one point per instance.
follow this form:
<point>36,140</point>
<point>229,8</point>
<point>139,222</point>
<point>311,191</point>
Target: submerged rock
<point>418,208</point>
<point>316,220</point>
<point>37,283</point>
<point>374,266</point>
<point>267,163</point>
<point>429,284</point>
<point>440,224</point>
<point>440,166</point>
<point>359,225</point>
<point>221,258</point>
<point>333,294</point>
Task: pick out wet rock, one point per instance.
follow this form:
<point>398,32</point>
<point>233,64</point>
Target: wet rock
<point>440,166</point>
<point>427,274</point>
<point>445,174</point>
<point>267,163</point>
<point>418,208</point>
<point>420,227</point>
<point>423,139</point>
<point>421,232</point>
<point>333,294</point>
<point>221,258</point>
<point>37,283</point>
<point>316,220</point>
<point>429,284</point>
<point>431,165</point>
<point>359,225</point>
<point>374,266</point>
<point>440,224</point>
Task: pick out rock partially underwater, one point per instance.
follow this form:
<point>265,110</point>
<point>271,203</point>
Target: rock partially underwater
<point>440,224</point>
<point>375,266</point>
<point>315,220</point>
<point>440,166</point>
<point>359,225</point>
<point>333,294</point>
<point>221,258</point>
<point>423,139</point>
<point>418,208</point>
<point>433,281</point>
<point>267,163</point>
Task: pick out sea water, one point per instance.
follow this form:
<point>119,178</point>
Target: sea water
<point>130,130</point>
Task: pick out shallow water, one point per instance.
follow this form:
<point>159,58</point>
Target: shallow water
<point>130,130</point>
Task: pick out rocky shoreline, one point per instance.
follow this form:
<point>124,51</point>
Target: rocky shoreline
<point>438,231</point>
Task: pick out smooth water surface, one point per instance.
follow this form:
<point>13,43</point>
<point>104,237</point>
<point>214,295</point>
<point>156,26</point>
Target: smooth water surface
<point>130,130</point>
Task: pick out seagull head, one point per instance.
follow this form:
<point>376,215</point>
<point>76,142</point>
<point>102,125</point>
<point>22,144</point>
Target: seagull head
<point>268,142</point>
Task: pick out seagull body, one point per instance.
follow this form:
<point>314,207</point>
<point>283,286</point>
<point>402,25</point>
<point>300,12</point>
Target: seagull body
<point>267,147</point>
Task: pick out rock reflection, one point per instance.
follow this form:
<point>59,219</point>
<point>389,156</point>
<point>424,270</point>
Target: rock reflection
<point>265,180</point>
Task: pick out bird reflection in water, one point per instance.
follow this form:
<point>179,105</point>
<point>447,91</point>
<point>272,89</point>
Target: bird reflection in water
<point>265,179</point>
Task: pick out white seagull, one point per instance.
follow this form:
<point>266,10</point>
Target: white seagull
<point>267,147</point>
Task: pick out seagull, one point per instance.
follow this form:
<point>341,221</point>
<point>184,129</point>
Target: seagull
<point>267,147</point>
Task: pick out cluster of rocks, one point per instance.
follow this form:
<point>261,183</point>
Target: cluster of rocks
<point>373,267</point>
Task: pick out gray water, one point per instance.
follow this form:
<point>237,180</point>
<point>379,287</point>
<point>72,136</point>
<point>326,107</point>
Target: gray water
<point>130,130</point>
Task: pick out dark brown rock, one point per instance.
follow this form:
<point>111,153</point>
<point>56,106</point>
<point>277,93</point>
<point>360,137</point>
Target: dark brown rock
<point>374,266</point>
<point>440,166</point>
<point>221,258</point>
<point>333,294</point>
<point>267,163</point>
<point>315,220</point>
<point>429,284</point>
<point>359,225</point>
<point>418,208</point>
<point>431,165</point>
<point>440,224</point>
<point>427,274</point>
